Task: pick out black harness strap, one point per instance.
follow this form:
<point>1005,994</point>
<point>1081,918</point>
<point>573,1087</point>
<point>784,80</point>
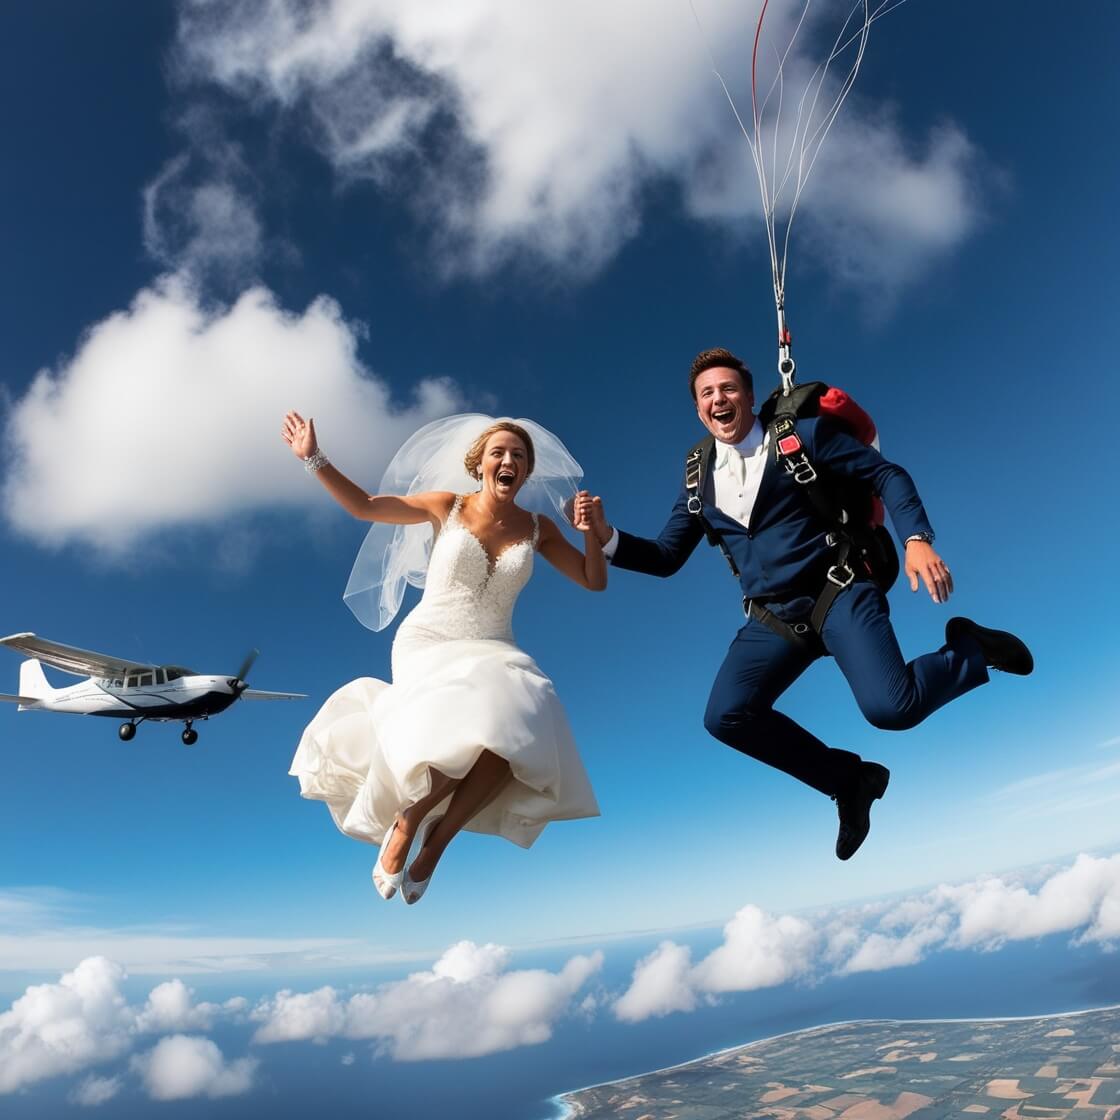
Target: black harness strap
<point>695,466</point>
<point>800,634</point>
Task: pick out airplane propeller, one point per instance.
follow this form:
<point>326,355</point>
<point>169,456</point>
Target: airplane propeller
<point>239,683</point>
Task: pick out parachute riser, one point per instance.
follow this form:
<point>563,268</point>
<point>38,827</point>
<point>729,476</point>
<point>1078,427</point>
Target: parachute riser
<point>786,365</point>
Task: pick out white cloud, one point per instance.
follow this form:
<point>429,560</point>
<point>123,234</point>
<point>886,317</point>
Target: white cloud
<point>37,938</point>
<point>289,1016</point>
<point>761,950</point>
<point>54,1029</point>
<point>171,1007</point>
<point>169,415</point>
<point>540,125</point>
<point>1084,896</point>
<point>202,220</point>
<point>468,1004</point>
<point>85,1020</point>
<point>986,912</point>
<point>94,1091</point>
<point>183,1066</point>
<point>758,951</point>
<point>661,983</point>
<point>878,951</point>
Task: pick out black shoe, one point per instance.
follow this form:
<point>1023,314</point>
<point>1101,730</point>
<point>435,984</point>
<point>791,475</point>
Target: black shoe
<point>855,808</point>
<point>1001,650</point>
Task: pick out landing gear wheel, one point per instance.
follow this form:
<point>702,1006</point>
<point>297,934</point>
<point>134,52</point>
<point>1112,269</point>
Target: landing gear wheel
<point>126,730</point>
<point>190,736</point>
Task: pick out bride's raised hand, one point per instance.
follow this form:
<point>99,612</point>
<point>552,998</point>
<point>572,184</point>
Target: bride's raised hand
<point>299,435</point>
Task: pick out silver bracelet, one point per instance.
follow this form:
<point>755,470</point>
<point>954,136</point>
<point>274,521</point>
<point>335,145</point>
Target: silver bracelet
<point>315,462</point>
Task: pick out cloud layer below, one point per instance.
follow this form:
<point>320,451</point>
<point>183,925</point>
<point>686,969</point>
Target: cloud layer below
<point>468,1004</point>
<point>761,950</point>
<point>84,1020</point>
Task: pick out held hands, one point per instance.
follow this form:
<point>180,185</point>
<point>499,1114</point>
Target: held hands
<point>922,562</point>
<point>587,513</point>
<point>299,435</point>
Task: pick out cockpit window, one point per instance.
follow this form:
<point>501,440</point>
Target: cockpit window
<point>174,672</point>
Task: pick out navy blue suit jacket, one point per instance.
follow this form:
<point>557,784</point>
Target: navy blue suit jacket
<point>783,549</point>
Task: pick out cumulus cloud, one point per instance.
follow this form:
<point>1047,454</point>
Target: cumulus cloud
<point>540,126</point>
<point>1085,896</point>
<point>85,1020</point>
<point>94,1091</point>
<point>60,1028</point>
<point>758,951</point>
<point>171,1007</point>
<point>290,1016</point>
<point>168,416</point>
<point>661,983</point>
<point>183,1066</point>
<point>468,1004</point>
<point>761,950</point>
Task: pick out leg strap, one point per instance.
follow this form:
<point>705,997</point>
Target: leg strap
<point>807,635</point>
<point>800,634</point>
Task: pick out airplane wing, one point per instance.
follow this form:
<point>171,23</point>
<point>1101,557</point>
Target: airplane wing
<point>260,694</point>
<point>70,659</point>
<point>26,701</point>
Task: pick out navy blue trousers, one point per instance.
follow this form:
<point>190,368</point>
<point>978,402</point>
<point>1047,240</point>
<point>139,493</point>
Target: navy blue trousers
<point>892,694</point>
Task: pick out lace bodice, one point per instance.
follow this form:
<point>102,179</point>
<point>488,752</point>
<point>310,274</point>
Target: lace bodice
<point>465,596</point>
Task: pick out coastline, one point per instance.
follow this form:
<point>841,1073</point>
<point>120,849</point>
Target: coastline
<point>564,1110</point>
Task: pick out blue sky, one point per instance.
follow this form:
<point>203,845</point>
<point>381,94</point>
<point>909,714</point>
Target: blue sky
<point>212,213</point>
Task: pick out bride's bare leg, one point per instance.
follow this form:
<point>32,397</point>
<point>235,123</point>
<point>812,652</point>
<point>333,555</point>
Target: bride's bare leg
<point>483,782</point>
<point>408,819</point>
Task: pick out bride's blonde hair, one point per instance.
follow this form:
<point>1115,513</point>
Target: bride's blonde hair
<point>473,458</point>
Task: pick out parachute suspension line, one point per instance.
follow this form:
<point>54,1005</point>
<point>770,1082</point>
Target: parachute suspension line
<point>809,131</point>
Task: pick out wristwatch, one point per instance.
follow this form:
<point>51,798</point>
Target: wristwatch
<point>925,538</point>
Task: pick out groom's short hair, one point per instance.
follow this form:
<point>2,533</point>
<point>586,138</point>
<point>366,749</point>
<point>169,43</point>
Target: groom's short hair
<point>715,358</point>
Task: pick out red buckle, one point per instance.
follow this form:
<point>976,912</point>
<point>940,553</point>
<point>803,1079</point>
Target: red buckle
<point>789,445</point>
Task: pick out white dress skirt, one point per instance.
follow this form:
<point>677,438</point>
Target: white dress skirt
<point>460,686</point>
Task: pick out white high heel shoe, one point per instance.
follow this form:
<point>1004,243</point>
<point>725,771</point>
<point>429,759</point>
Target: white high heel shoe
<point>387,885</point>
<point>412,890</point>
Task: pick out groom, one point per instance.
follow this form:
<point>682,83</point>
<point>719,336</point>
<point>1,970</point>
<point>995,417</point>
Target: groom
<point>783,551</point>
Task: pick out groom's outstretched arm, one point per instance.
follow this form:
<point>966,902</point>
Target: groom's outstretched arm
<point>662,556</point>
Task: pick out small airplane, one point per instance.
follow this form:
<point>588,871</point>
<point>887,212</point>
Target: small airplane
<point>127,688</point>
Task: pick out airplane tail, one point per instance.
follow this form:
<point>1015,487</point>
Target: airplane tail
<point>33,683</point>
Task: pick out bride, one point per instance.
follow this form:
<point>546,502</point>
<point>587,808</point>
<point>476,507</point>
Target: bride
<point>470,734</point>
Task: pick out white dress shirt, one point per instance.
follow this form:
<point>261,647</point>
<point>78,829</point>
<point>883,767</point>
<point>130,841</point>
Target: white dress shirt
<point>737,473</point>
<point>736,476</point>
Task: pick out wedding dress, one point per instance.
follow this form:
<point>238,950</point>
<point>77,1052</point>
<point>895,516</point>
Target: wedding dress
<point>460,686</point>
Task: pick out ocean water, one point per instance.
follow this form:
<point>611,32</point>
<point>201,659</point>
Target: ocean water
<point>304,1080</point>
